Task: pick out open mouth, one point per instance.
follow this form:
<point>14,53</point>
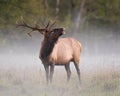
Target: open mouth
<point>63,32</point>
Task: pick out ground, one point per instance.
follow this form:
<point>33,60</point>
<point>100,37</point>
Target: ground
<point>24,75</point>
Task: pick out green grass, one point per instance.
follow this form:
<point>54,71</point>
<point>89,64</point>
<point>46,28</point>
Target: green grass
<point>31,82</point>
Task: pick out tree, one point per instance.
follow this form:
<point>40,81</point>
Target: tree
<point>57,9</point>
<point>76,14</point>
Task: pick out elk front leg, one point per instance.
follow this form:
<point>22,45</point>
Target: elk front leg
<point>51,72</point>
<point>47,72</point>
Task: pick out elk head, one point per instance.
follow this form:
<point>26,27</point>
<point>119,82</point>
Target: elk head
<point>54,34</point>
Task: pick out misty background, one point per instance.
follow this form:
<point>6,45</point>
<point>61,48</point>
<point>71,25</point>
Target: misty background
<point>95,23</point>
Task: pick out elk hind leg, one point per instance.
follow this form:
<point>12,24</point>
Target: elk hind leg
<point>78,70</point>
<point>67,68</point>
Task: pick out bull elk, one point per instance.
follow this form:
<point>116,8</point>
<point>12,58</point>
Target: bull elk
<point>55,50</point>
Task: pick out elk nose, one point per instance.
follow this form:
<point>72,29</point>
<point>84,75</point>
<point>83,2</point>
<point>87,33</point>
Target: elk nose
<point>63,31</point>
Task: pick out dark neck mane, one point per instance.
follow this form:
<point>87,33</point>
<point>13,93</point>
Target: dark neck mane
<point>47,48</point>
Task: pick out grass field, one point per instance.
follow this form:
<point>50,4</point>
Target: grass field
<point>103,80</point>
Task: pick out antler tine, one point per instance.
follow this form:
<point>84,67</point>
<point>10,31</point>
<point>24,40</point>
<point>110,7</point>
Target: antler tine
<point>24,24</point>
<point>29,33</point>
<point>36,27</point>
<point>36,24</point>
<point>23,21</point>
<point>47,24</point>
<point>52,25</point>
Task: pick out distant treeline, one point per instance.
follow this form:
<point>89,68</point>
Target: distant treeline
<point>93,12</point>
<point>69,13</point>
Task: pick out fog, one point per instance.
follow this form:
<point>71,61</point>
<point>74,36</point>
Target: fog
<point>98,47</point>
<point>20,59</point>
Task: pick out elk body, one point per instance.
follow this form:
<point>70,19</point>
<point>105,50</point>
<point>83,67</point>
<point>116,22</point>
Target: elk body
<point>57,51</point>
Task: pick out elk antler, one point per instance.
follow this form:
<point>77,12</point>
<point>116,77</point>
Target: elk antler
<point>35,28</point>
<point>52,25</point>
<point>47,25</point>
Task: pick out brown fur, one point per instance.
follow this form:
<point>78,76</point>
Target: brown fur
<point>55,50</point>
<point>59,51</point>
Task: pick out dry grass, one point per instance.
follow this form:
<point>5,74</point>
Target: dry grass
<point>31,82</point>
<point>100,77</point>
